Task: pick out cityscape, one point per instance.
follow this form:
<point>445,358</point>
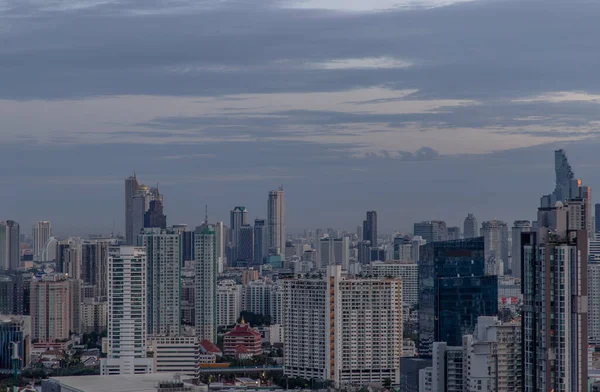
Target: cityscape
<point>244,305</point>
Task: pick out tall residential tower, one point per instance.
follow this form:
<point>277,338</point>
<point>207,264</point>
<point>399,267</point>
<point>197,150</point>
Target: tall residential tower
<point>276,230</point>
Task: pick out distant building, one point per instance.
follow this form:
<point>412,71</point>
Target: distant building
<point>229,302</point>
<point>10,253</point>
<point>334,251</point>
<point>495,236</point>
<point>453,233</point>
<point>94,265</point>
<point>370,228</point>
<point>402,248</point>
<point>15,293</point>
<point>260,242</point>
<point>242,338</point>
<point>238,218</point>
<point>55,307</point>
<point>93,314</point>
<point>42,231</point>
<point>206,284</point>
<point>163,281</point>
<point>154,216</point>
<point>519,227</point>
<point>431,231</point>
<point>471,227</point>
<point>245,254</point>
<point>276,225</point>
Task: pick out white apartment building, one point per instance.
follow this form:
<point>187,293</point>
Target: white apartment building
<point>407,272</point>
<point>276,303</point>
<point>348,330</point>
<point>126,313</point>
<point>229,302</point>
<point>42,231</point>
<point>179,354</point>
<point>164,258</point>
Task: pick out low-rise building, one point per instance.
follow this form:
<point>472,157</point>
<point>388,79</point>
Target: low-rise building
<point>242,339</point>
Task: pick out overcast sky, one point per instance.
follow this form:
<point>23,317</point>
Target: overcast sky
<point>419,109</point>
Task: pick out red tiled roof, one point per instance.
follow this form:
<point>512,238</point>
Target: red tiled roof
<point>242,330</point>
<point>210,347</point>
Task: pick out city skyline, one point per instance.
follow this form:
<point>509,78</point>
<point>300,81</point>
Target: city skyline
<point>349,112</point>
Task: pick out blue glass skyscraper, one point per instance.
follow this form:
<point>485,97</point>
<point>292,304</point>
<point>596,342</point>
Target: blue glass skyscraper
<point>453,291</point>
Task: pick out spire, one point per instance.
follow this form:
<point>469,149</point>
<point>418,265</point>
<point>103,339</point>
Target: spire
<point>206,214</point>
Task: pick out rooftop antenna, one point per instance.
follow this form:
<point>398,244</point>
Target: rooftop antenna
<point>206,214</point>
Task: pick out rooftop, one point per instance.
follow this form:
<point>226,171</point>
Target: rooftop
<point>129,383</point>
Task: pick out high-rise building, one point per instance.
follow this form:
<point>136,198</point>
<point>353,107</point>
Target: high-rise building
<point>453,233</point>
<point>260,242</point>
<point>256,297</point>
<point>407,272</point>
<point>555,291</point>
<point>15,334</point>
<point>50,251</point>
<point>127,313</point>
<point>206,284</point>
<point>163,261</point>
<point>593,272</point>
<point>597,217</point>
<point>519,226</point>
<point>222,239</point>
<point>229,302</point>
<point>492,357</point>
<point>10,253</point>
<point>239,218</point>
<point>416,243</point>
<point>15,293</point>
<point>453,291</point>
<point>359,232</point>
<point>471,227</point>
<point>42,231</point>
<point>131,188</point>
<point>55,307</point>
<point>334,251</point>
<point>94,265</point>
<point>370,228</point>
<point>245,253</point>
<point>431,231</point>
<point>495,237</point>
<point>68,260</point>
<point>402,248</point>
<point>276,229</point>
<point>93,315</point>
<point>348,331</point>
<point>155,217</point>
<point>572,193</point>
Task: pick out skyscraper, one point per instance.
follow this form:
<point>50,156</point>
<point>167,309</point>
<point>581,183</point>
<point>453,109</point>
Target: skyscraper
<point>345,330</point>
<point>127,313</point>
<point>370,228</point>
<point>555,290</point>
<point>246,247</point>
<point>164,259</point>
<point>520,226</point>
<point>239,218</point>
<point>42,231</point>
<point>431,231</point>
<point>260,242</point>
<point>453,233</point>
<point>206,284</point>
<point>155,217</point>
<point>471,227</point>
<point>572,193</point>
<point>131,188</point>
<point>94,265</point>
<point>221,231</point>
<point>334,251</point>
<point>594,302</point>
<point>10,254</point>
<point>453,291</point>
<point>597,217</point>
<point>276,229</point>
<point>495,236</point>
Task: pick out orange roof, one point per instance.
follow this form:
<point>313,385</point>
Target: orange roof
<point>209,347</point>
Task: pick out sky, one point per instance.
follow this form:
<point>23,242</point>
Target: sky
<point>419,109</point>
